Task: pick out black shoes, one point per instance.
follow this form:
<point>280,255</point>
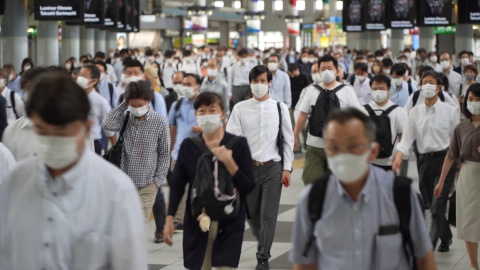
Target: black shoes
<point>262,265</point>
<point>445,247</point>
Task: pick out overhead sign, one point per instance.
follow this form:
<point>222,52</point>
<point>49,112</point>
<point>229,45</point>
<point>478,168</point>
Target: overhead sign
<point>253,26</point>
<point>435,12</point>
<point>468,11</point>
<point>111,14</point>
<point>444,30</point>
<point>401,14</point>
<point>94,12</point>
<point>136,16</point>
<point>352,16</point>
<point>122,15</point>
<point>64,10</point>
<point>129,18</point>
<point>374,15</point>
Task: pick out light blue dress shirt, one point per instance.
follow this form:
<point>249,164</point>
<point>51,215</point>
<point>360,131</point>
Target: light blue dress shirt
<point>346,233</point>
<point>184,119</point>
<point>281,90</point>
<point>105,92</point>
<point>399,96</point>
<point>160,105</point>
<point>16,86</point>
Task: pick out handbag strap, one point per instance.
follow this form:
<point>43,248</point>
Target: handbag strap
<point>125,122</point>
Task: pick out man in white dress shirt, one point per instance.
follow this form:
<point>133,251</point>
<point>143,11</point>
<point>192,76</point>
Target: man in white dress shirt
<point>280,90</point>
<point>258,120</point>
<point>361,83</point>
<point>454,79</point>
<point>7,161</point>
<point>237,79</point>
<point>431,124</point>
<point>68,208</point>
<point>110,76</point>
<point>432,61</point>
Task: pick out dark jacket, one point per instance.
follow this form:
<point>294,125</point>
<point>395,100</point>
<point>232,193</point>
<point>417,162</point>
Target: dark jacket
<point>228,244</point>
<point>306,69</point>
<point>297,84</point>
<point>458,70</point>
<point>3,116</point>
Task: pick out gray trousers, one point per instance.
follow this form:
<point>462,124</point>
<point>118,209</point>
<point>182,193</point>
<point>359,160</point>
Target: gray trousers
<point>240,93</point>
<point>262,206</point>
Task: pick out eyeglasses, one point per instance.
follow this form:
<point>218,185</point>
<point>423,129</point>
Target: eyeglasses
<point>354,149</point>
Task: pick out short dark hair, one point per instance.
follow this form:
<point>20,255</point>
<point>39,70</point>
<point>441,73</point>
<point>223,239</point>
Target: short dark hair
<point>31,74</point>
<point>361,66</point>
<point>379,79</point>
<point>423,69</point>
<point>87,62</point>
<point>195,76</point>
<point>274,55</point>
<point>421,50</point>
<point>342,116</point>
<point>475,89</point>
<point>437,76</point>
<point>169,53</point>
<point>123,51</point>
<point>182,72</point>
<point>140,89</point>
<point>471,68</point>
<point>103,64</point>
<point>99,55</point>
<point>328,58</point>
<point>133,63</point>
<point>57,99</point>
<point>207,99</point>
<point>186,53</point>
<point>27,61</point>
<point>462,53</point>
<point>94,72</point>
<point>259,70</point>
<point>9,67</point>
<point>387,62</point>
<point>445,82</point>
<point>292,67</point>
<point>149,52</point>
<point>398,69</point>
<point>242,52</point>
<point>379,53</point>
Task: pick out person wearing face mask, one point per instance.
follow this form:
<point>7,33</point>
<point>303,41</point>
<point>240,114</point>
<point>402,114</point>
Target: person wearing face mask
<point>470,73</point>
<point>176,92</point>
<point>361,84</point>
<point>432,61</point>
<point>205,250</point>
<point>454,79</point>
<point>280,90</point>
<point>168,69</point>
<point>260,120</point>
<point>147,169</point>
<point>203,68</point>
<point>7,162</point>
<point>379,55</point>
<point>304,65</point>
<point>342,95</point>
<point>290,58</point>
<point>396,116</point>
<point>237,78</point>
<point>69,65</point>
<point>216,84</point>
<point>377,68</point>
<point>118,66</point>
<point>358,219</point>
<point>399,91</point>
<point>13,79</point>
<point>431,124</point>
<point>464,60</point>
<point>88,80</point>
<point>465,148</point>
<point>27,64</point>
<point>64,182</point>
<point>183,124</point>
<point>370,62</point>
<point>421,60</point>
<point>110,76</point>
<point>298,82</point>
<point>188,64</point>
<point>149,58</point>
<point>15,107</point>
<point>106,89</point>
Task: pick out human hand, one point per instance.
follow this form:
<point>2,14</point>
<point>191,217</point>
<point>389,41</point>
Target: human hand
<point>286,178</point>
<point>168,230</point>
<point>438,189</point>
<point>222,153</point>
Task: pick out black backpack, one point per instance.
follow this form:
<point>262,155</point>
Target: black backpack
<point>114,154</point>
<point>326,102</point>
<point>203,198</point>
<point>401,197</point>
<point>12,101</point>
<point>410,88</point>
<point>384,130</point>
<point>280,138</point>
<point>417,94</point>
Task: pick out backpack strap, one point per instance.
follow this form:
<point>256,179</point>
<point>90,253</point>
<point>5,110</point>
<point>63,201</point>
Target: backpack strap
<point>124,126</point>
<point>401,196</point>
<point>177,107</point>
<point>110,90</point>
<point>369,110</point>
<point>319,88</point>
<point>338,88</point>
<point>316,197</point>
<point>153,99</point>
<point>389,110</point>
<point>12,101</point>
<point>280,134</point>
<point>415,98</point>
<point>231,143</point>
<point>441,96</point>
<point>352,79</point>
<point>410,88</point>
<point>197,140</point>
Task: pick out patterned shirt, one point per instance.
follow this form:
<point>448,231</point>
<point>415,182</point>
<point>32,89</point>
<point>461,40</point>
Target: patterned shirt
<point>146,146</point>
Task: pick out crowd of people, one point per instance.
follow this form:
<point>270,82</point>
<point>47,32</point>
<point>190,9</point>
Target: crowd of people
<point>220,127</point>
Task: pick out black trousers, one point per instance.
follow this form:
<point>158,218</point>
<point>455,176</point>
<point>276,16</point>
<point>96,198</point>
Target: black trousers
<point>429,170</point>
<point>159,212</point>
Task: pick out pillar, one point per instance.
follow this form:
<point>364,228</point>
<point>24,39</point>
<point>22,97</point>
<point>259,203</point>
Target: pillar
<point>363,37</point>
<point>14,42</point>
<point>396,41</point>
<point>70,41</point>
<point>87,40</point>
<point>100,41</point>
<point>47,43</point>
<point>293,27</point>
<point>224,34</point>
<point>374,42</point>
<point>354,40</point>
<point>111,40</point>
<point>464,38</point>
<point>427,38</point>
<point>253,25</point>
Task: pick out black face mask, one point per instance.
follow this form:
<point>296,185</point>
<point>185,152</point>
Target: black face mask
<point>423,57</point>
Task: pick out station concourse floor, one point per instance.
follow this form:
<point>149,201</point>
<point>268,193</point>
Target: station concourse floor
<point>161,256</point>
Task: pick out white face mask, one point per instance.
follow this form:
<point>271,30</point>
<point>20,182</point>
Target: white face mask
<point>83,82</point>
<point>417,78</point>
<point>316,78</point>
<point>188,92</point>
<point>433,59</point>
<point>139,112</point>
<point>348,167</point>
<point>212,72</point>
<point>127,80</point>
<point>259,90</point>
<point>150,59</point>
<point>386,71</point>
<point>328,76</point>
<point>429,90</point>
<point>304,60</point>
<point>361,78</point>
<point>25,68</point>
<point>379,58</point>
<point>465,61</point>
<point>379,96</point>
<point>2,83</point>
<point>397,81</point>
<point>370,64</point>
<point>179,89</point>
<point>111,55</point>
<point>209,123</point>
<point>57,152</point>
<point>10,77</point>
<point>473,107</point>
<point>272,66</point>
<point>311,60</point>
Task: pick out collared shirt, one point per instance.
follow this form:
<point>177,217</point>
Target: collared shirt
<point>399,96</point>
<point>454,81</point>
<point>218,86</point>
<point>167,73</point>
<point>421,100</point>
<point>104,90</point>
<point>99,110</point>
<point>431,127</point>
<point>348,228</point>
<point>118,69</point>
<point>7,161</point>
<point>19,139</point>
<point>160,106</point>
<point>145,148</point>
<point>363,91</point>
<point>258,122</point>
<point>19,106</point>
<point>184,119</point>
<point>238,75</point>
<point>280,90</point>
<point>112,77</point>
<point>436,66</point>
<point>16,86</point>
<point>398,121</point>
<point>88,218</point>
<point>347,98</point>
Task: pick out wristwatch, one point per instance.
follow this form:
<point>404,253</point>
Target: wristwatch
<point>355,12</point>
<point>436,6</point>
<point>375,9</point>
<point>402,7</point>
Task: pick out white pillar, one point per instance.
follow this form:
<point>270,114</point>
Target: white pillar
<point>87,40</point>
<point>70,41</point>
<point>374,42</point>
<point>427,38</point>
<point>354,41</point>
<point>464,38</point>
<point>14,42</point>
<point>47,43</point>
<point>100,41</point>
<point>111,38</point>
<point>396,42</point>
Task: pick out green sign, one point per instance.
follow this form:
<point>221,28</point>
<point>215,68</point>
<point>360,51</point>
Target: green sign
<point>444,30</point>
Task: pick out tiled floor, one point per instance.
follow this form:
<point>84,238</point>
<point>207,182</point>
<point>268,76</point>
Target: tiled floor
<point>164,257</point>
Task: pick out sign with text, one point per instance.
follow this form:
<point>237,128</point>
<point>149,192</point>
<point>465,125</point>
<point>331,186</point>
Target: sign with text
<point>129,18</point>
<point>352,16</point>
<point>401,14</point>
<point>64,10</point>
<point>435,12</point>
<point>468,11</point>
<point>94,12</point>
<point>111,14</point>
<point>444,30</point>
<point>136,16</point>
<point>122,15</point>
<point>374,15</point>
